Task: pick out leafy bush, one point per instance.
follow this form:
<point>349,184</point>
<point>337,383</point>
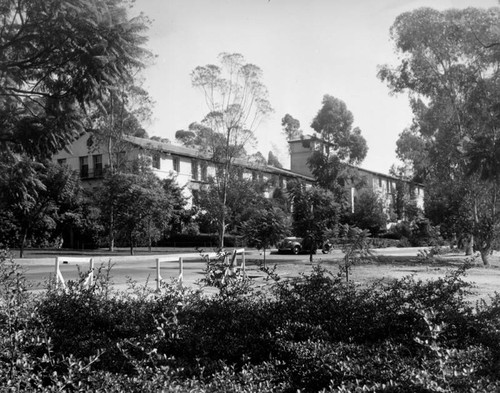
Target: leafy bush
<point>311,333</point>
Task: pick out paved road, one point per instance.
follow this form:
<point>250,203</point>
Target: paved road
<point>142,268</point>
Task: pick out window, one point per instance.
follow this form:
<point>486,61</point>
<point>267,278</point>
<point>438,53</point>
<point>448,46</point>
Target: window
<point>156,161</point>
<point>61,161</point>
<point>84,167</point>
<point>176,164</point>
<point>204,174</point>
<point>97,158</point>
<point>380,182</point>
<point>194,170</point>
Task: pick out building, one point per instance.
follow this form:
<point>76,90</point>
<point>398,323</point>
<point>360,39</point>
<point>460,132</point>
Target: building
<point>190,167</point>
<point>382,184</point>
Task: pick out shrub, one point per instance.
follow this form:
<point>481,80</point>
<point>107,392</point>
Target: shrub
<point>310,333</point>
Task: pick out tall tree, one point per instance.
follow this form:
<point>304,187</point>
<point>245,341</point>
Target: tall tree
<point>291,128</point>
<point>340,144</point>
<point>452,76</point>
<point>237,103</point>
<point>141,204</point>
<point>58,58</point>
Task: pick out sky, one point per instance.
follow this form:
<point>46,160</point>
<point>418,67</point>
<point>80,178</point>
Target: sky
<point>305,48</point>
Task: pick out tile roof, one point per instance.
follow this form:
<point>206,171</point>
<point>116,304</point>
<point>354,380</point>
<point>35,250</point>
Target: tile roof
<point>170,148</point>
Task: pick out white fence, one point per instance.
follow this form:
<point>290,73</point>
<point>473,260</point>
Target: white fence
<point>89,279</point>
<point>232,264</point>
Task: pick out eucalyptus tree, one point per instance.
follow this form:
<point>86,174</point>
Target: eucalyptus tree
<point>291,128</point>
<point>450,69</point>
<point>237,103</point>
<point>341,144</point>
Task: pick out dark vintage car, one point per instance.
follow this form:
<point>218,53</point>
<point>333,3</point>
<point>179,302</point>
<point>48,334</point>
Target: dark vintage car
<point>295,245</point>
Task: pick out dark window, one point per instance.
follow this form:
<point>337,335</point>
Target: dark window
<point>194,170</point>
<point>204,175</point>
<point>61,161</point>
<point>97,165</point>
<point>176,164</point>
<point>156,161</point>
<point>84,167</point>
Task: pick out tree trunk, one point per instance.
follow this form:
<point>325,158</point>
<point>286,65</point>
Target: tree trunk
<point>23,241</point>
<point>264,256</point>
<point>469,246</point>
<point>111,230</point>
<point>131,245</point>
<point>485,256</point>
<point>222,231</point>
<point>150,242</point>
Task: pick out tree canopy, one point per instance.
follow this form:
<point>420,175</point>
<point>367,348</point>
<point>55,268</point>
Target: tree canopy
<point>57,59</point>
<point>237,102</point>
<point>339,145</point>
<point>451,72</point>
<point>334,123</point>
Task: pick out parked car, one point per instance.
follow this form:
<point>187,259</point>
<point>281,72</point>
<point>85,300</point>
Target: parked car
<point>295,245</point>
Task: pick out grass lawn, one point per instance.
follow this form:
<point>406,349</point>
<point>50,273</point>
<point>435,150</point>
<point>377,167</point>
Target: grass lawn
<point>485,280</point>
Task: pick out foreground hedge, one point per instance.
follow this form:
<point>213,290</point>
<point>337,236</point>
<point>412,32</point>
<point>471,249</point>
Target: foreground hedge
<point>312,333</point>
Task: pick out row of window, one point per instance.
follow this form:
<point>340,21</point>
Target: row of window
<point>175,162</point>
<point>85,172</point>
<point>97,166</point>
<point>199,170</point>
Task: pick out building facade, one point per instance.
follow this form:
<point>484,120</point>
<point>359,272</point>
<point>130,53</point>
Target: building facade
<point>382,184</point>
<point>190,168</point>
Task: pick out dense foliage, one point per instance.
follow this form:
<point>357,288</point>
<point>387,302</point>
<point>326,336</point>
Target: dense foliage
<point>311,333</point>
<point>448,65</point>
<point>58,59</point>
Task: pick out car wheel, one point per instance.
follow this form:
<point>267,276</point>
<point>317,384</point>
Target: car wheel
<point>296,250</point>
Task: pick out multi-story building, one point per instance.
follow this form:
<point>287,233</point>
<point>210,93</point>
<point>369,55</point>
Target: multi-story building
<point>382,184</point>
<point>190,167</point>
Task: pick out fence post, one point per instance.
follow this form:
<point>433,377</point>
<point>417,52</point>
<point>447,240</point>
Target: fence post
<point>243,266</point>
<point>158,276</point>
<point>181,271</point>
<point>59,277</point>
<point>89,281</point>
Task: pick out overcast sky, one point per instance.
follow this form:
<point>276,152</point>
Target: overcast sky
<point>305,48</point>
